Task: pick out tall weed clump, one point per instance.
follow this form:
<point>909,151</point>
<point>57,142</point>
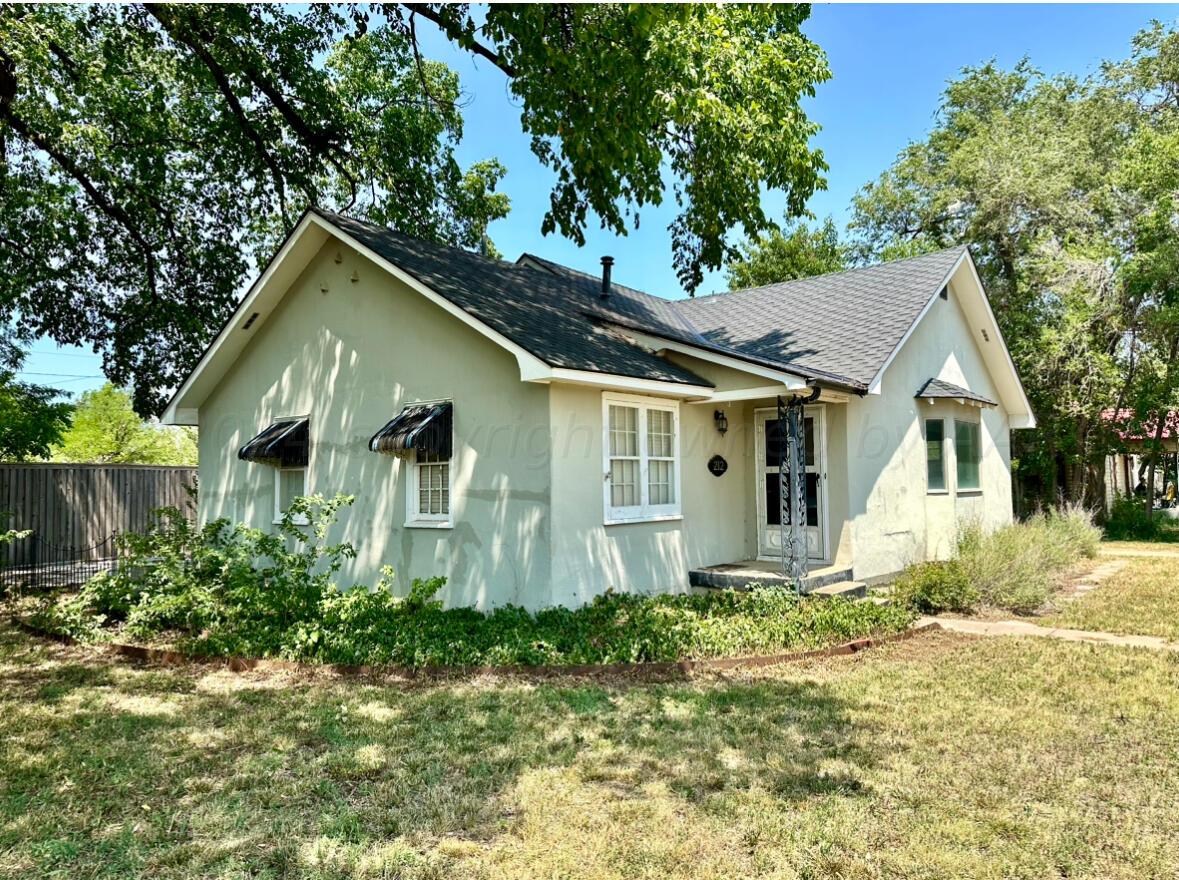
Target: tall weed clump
<point>1017,566</point>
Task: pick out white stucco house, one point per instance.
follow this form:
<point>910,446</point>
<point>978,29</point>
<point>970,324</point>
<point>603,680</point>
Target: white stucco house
<point>539,437</point>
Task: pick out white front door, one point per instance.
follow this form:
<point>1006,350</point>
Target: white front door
<point>768,440</point>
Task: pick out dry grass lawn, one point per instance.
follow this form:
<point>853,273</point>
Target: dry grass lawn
<point>938,757</point>
<point>1140,599</point>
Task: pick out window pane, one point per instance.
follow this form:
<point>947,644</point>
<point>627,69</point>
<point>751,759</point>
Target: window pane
<point>774,500</point>
<point>775,440</point>
<point>660,489</point>
<point>624,483</point>
<point>935,431</point>
<point>967,449</point>
<point>660,434</point>
<point>434,488</point>
<point>624,432</point>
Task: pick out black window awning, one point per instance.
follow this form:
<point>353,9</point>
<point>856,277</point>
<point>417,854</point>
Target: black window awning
<point>284,444</point>
<point>420,427</point>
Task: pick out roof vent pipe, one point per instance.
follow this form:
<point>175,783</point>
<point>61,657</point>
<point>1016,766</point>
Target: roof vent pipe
<point>607,264</point>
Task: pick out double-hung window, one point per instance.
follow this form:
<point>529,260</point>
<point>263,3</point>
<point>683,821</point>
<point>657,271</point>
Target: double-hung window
<point>935,454</point>
<point>968,452</point>
<point>429,489</point>
<point>641,444</point>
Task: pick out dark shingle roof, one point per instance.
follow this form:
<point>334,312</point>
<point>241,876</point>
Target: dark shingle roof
<point>838,328</point>
<point>542,313</point>
<point>847,323</point>
<point>939,388</point>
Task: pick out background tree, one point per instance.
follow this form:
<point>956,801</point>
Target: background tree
<point>32,417</point>
<point>1049,181</point>
<point>797,252</point>
<point>107,430</point>
<point>153,153</point>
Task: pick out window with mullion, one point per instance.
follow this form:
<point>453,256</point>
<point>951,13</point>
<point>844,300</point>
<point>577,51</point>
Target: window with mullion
<point>661,489</point>
<point>625,457</point>
<point>432,474</point>
<point>642,459</point>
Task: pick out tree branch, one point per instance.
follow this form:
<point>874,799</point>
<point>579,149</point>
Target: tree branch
<point>419,63</point>
<point>456,34</point>
<point>221,78</point>
<point>70,167</point>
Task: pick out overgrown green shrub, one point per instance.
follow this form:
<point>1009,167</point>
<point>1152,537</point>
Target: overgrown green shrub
<point>1129,520</point>
<point>933,587</point>
<point>225,587</point>
<point>231,590</point>
<point>1017,566</point>
<point>374,627</point>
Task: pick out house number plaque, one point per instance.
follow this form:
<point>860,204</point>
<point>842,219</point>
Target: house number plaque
<point>717,465</point>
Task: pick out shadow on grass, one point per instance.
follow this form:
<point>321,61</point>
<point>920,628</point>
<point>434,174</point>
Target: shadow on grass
<point>123,769</point>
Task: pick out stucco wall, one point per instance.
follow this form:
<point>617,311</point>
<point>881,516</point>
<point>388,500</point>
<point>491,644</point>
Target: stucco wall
<point>893,520</point>
<point>351,358</point>
<point>590,557</point>
<point>529,471</point>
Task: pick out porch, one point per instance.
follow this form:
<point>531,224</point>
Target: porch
<point>824,580</point>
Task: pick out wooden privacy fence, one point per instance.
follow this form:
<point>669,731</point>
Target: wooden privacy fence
<point>74,509</point>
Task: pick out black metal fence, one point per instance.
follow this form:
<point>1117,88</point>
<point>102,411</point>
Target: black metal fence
<point>48,566</point>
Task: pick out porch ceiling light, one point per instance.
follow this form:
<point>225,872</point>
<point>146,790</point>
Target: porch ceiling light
<point>722,421</point>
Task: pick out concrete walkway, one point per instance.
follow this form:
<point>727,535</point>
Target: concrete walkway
<point>1023,628</point>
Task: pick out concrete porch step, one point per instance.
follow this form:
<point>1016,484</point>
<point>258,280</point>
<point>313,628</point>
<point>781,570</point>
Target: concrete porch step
<point>841,590</point>
<point>743,575</point>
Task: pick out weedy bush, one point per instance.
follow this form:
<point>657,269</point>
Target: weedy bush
<point>224,587</point>
<point>933,587</point>
<point>230,590</point>
<point>1129,520</point>
<point>1018,566</point>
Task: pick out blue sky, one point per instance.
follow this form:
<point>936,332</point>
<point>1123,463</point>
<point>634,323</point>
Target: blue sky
<point>889,65</point>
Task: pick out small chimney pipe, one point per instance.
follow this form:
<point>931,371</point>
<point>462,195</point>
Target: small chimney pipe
<point>607,264</point>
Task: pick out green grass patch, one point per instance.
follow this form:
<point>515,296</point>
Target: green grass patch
<point>937,757</point>
<point>1140,599</point>
<point>227,590</point>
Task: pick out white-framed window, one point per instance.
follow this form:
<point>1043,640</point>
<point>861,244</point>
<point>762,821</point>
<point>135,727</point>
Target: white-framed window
<point>935,455</point>
<point>968,452</point>
<point>641,450</point>
<point>289,484</point>
<point>429,491</point>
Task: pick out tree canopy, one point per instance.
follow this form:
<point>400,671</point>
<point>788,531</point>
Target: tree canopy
<point>1065,189</point>
<point>152,154</point>
<point>797,252</point>
<point>32,417</point>
<point>105,429</point>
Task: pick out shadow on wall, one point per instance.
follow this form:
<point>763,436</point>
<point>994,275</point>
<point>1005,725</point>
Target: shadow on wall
<point>349,384</point>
